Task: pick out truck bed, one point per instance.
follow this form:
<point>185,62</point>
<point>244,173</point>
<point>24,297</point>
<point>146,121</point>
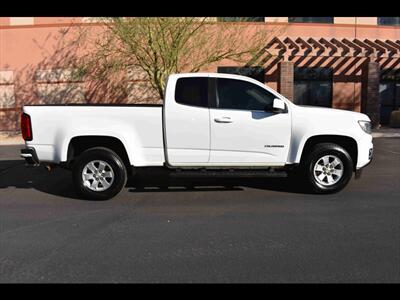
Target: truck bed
<point>139,127</point>
<point>100,104</point>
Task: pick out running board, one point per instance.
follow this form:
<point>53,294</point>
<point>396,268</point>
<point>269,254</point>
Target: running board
<point>228,173</point>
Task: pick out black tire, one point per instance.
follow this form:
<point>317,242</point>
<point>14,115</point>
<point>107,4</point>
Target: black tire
<point>316,153</point>
<point>114,162</point>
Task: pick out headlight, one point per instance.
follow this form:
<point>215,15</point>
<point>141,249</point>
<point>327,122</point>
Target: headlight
<point>365,125</point>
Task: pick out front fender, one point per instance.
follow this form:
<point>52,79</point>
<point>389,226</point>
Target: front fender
<point>298,143</point>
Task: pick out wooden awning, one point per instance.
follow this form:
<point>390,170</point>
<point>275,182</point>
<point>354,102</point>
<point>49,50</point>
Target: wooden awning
<point>312,46</point>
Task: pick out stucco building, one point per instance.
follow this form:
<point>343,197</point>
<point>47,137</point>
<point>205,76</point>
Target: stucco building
<point>341,62</point>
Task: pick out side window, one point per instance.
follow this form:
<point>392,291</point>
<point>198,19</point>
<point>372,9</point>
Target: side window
<point>192,91</point>
<point>238,94</point>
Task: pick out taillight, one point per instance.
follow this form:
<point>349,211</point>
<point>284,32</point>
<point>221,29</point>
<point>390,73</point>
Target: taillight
<point>26,127</point>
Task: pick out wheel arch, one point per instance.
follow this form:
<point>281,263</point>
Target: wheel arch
<point>347,142</point>
<point>79,144</point>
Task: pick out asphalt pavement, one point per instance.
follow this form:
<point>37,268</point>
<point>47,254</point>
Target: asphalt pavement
<point>163,229</point>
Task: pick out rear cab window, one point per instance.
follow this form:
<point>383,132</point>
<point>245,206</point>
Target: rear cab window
<point>192,91</point>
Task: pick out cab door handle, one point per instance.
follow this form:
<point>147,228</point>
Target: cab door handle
<point>223,120</point>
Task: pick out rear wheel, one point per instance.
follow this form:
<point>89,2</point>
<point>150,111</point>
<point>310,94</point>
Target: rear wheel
<point>328,168</point>
<point>99,174</point>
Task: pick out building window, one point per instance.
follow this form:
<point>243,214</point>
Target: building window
<point>328,20</point>
<point>256,73</point>
<point>388,20</point>
<point>389,93</point>
<point>313,86</point>
<point>241,19</point>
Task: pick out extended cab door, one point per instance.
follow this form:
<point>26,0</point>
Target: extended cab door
<point>186,120</point>
<point>244,130</point>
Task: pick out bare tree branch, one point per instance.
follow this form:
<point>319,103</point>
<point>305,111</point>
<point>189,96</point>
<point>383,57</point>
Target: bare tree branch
<point>165,45</point>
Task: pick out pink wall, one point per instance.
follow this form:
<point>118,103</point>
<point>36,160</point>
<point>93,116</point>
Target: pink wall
<point>24,49</point>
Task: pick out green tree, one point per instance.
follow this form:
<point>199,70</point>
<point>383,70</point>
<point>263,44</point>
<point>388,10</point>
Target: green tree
<point>160,46</point>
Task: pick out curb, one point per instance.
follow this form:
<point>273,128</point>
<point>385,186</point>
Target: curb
<point>385,135</point>
<point>10,139</point>
<point>11,143</point>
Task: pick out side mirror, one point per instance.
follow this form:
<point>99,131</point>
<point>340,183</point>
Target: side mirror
<point>278,106</point>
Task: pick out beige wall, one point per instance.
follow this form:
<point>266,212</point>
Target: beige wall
<point>21,20</point>
<point>356,20</point>
<point>276,19</point>
<point>367,20</point>
<point>344,20</point>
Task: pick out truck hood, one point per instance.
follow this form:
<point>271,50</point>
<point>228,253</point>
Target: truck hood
<point>336,114</point>
<point>309,121</point>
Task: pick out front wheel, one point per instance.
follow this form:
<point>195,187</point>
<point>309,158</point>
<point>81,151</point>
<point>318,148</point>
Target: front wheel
<point>99,174</point>
<point>328,168</point>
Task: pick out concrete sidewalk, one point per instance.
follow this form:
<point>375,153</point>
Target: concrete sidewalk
<point>386,132</point>
<point>10,139</point>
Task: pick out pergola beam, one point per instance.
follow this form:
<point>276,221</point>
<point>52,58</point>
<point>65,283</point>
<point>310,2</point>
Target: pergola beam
<point>357,48</point>
<point>374,45</point>
<point>370,50</point>
<point>329,44</point>
<point>345,48</point>
<point>292,45</point>
<point>317,45</point>
<point>393,44</point>
<point>304,45</point>
<point>280,44</point>
<point>386,46</point>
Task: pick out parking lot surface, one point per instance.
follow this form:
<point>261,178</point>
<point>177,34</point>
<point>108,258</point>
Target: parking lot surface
<point>200,229</point>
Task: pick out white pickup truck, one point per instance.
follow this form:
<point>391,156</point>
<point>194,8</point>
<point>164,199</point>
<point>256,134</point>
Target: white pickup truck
<point>209,124</point>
